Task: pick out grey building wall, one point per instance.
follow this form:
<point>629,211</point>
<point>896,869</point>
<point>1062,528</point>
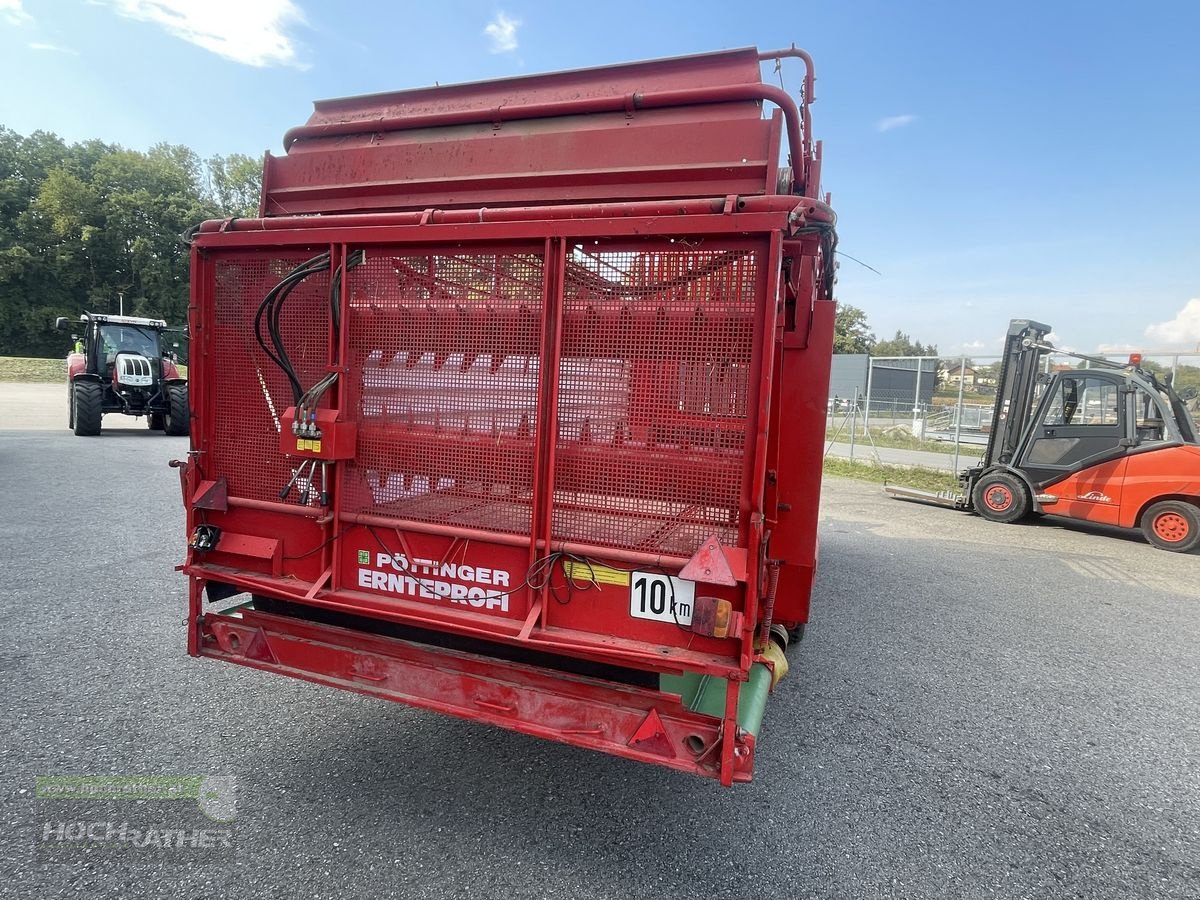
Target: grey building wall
<point>848,373</point>
<point>893,381</point>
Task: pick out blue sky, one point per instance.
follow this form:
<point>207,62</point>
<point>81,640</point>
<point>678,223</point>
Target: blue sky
<point>1042,159</point>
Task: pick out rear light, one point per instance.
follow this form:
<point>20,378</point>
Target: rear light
<point>714,617</point>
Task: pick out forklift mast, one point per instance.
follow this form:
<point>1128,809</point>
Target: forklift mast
<point>1024,349</point>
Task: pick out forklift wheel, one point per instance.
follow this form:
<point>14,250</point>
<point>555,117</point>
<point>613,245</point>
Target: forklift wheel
<point>1172,525</point>
<point>1001,497</point>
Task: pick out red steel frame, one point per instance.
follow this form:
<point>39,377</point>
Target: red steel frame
<point>303,553</point>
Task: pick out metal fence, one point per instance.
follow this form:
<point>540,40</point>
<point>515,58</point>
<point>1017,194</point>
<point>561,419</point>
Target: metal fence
<point>936,412</point>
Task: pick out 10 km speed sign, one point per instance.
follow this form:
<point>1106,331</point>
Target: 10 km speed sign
<point>661,598</point>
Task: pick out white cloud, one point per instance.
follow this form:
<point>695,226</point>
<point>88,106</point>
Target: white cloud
<point>37,45</point>
<point>12,12</point>
<point>974,345</point>
<point>503,32</point>
<point>252,32</point>
<point>1116,349</point>
<point>894,122</point>
<point>1184,329</point>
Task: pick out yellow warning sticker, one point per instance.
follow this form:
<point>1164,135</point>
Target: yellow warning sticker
<point>582,571</point>
<point>311,446</point>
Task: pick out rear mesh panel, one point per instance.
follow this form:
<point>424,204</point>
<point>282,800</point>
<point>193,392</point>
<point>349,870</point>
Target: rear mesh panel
<point>448,349</point>
<point>654,389</point>
<point>246,437</point>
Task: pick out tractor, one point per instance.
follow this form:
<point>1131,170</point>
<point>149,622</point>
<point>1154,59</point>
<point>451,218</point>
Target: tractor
<point>119,364</point>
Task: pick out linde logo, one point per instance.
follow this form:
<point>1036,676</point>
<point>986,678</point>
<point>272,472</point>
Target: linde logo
<point>428,579</point>
<point>1096,497</point>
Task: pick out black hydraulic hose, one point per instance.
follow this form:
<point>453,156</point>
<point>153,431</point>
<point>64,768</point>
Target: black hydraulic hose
<point>270,308</point>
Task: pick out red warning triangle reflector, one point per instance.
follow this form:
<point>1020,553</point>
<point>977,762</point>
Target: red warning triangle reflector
<point>651,737</point>
<point>709,565</point>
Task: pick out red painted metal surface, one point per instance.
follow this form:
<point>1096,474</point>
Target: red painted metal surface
<point>548,399</point>
<point>641,724</point>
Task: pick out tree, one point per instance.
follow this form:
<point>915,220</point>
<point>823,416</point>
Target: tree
<point>903,345</point>
<point>235,183</point>
<point>81,223</point>
<point>851,334</point>
<point>1187,382</point>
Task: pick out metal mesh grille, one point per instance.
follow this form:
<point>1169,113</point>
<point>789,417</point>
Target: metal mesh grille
<point>251,391</point>
<point>448,351</point>
<point>654,388</point>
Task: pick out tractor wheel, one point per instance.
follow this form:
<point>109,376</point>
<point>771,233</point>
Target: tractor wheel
<point>71,405</point>
<point>175,420</point>
<point>1001,497</point>
<point>155,421</point>
<point>1172,525</point>
<point>87,407</point>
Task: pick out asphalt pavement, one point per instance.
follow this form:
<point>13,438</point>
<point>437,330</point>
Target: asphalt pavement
<point>976,711</point>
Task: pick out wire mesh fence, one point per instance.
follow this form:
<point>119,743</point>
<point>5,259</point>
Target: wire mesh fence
<point>937,412</point>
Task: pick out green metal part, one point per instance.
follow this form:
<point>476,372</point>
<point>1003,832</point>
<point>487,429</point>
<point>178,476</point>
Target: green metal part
<point>705,694</point>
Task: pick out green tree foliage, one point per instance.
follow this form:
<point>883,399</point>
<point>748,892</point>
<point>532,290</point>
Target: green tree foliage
<point>1187,382</point>
<point>903,345</point>
<point>851,333</point>
<point>235,183</point>
<point>82,223</point>
<point>1185,379</point>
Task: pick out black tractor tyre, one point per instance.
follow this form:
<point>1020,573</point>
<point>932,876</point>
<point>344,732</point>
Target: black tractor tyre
<point>175,420</point>
<point>155,421</point>
<point>1172,525</point>
<point>1000,497</point>
<point>71,405</point>
<point>87,408</point>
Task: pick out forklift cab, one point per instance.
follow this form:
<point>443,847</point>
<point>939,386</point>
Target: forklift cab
<point>1086,417</point>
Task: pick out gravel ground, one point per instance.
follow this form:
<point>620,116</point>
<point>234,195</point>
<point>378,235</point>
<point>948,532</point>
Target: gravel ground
<point>977,711</point>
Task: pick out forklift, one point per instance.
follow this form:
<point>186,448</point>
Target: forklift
<point>1108,443</point>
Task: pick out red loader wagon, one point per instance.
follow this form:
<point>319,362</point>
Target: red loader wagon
<point>510,404</point>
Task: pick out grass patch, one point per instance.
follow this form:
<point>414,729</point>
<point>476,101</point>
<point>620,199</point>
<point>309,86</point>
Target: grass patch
<point>28,370</point>
<point>908,476</point>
